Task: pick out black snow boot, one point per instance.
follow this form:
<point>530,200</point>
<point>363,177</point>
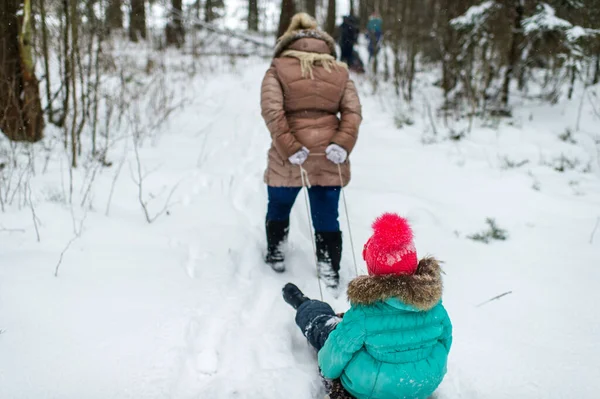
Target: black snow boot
<point>293,296</point>
<point>277,232</point>
<point>329,256</point>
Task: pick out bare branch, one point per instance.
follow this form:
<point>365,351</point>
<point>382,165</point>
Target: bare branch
<point>33,215</point>
<point>594,231</point>
<point>71,241</point>
<point>139,180</point>
<point>63,254</point>
<point>430,114</point>
<point>494,298</point>
<point>91,183</point>
<point>114,181</point>
<point>596,112</point>
<point>2,228</point>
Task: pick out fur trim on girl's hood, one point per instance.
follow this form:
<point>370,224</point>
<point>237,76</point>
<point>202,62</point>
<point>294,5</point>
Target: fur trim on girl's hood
<point>422,290</point>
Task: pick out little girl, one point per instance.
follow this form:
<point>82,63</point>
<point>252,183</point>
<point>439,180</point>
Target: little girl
<point>394,340</point>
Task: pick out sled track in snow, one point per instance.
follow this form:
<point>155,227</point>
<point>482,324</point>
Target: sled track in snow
<point>246,353</point>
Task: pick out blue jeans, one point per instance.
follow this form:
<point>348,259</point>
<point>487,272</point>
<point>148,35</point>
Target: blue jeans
<point>316,320</point>
<point>374,39</point>
<point>323,203</point>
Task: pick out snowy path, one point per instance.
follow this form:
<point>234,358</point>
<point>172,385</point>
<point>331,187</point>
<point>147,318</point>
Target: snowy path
<point>184,308</point>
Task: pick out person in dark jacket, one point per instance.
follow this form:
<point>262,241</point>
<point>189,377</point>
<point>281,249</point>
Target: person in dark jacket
<point>349,32</point>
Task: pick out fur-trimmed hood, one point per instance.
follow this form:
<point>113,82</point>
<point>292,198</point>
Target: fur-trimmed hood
<point>422,290</point>
<point>303,26</point>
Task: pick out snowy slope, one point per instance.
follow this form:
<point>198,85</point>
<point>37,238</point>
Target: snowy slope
<point>184,308</point>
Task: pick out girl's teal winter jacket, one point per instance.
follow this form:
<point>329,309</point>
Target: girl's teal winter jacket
<point>394,341</point>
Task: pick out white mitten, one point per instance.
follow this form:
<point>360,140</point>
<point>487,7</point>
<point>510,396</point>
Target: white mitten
<point>300,157</point>
<point>336,154</point>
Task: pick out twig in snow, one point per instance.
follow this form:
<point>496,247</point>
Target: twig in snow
<point>33,215</point>
<point>2,228</point>
<point>431,119</point>
<point>596,112</point>
<point>75,237</point>
<point>580,108</point>
<point>594,231</point>
<point>114,181</point>
<point>63,254</point>
<point>2,331</point>
<point>91,183</point>
<point>494,298</point>
<point>1,199</point>
<point>139,181</point>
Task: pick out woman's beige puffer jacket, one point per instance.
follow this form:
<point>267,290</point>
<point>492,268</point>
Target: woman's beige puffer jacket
<point>302,94</point>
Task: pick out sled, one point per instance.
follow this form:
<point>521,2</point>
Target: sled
<point>335,389</point>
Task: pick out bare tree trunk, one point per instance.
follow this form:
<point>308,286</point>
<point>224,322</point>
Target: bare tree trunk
<point>253,15</point>
<point>74,50</point>
<point>288,9</point>
<point>66,68</point>
<point>572,83</point>
<point>514,54</point>
<point>311,7</point>
<point>597,70</point>
<point>21,116</point>
<point>209,14</point>
<point>46,59</point>
<point>175,33</point>
<point>352,9</point>
<point>137,20</point>
<point>197,8</point>
<point>114,14</point>
<point>331,17</point>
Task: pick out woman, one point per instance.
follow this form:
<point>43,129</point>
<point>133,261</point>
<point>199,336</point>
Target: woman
<point>302,93</point>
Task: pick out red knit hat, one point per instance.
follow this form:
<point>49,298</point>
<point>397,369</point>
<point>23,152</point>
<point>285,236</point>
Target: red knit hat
<point>391,250</point>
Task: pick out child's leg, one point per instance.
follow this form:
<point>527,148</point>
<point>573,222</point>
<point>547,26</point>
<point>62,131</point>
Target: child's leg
<point>316,320</point>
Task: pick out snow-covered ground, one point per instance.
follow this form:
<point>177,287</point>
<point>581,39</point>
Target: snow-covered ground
<point>184,307</point>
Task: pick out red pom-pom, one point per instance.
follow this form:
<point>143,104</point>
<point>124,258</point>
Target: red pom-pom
<point>391,231</point>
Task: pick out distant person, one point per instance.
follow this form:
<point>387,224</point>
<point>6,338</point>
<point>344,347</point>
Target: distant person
<point>349,32</point>
<point>374,34</point>
<point>395,339</point>
<point>302,94</point>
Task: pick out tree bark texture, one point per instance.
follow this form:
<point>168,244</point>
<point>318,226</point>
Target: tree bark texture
<point>253,15</point>
<point>114,14</point>
<point>209,14</point>
<point>597,70</point>
<point>514,53</point>
<point>21,116</point>
<point>137,20</point>
<point>175,33</point>
<point>311,7</point>
<point>331,17</point>
<point>288,9</point>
